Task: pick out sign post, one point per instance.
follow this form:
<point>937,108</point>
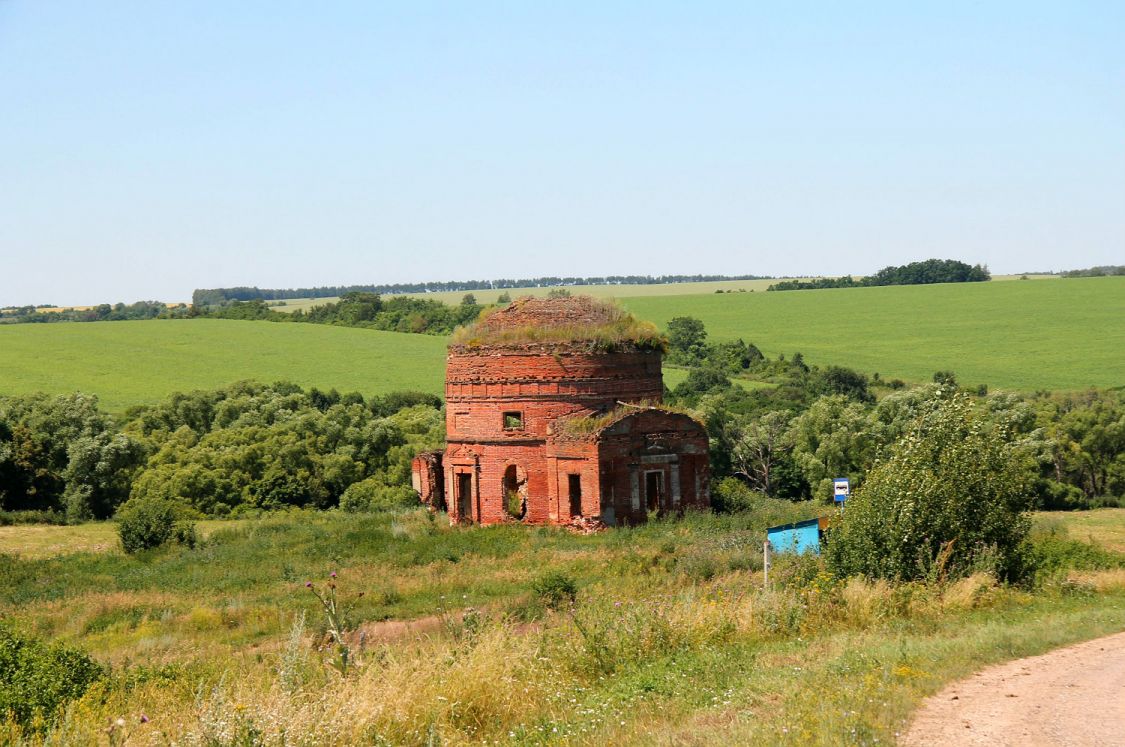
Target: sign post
<point>766,563</point>
<point>841,489</point>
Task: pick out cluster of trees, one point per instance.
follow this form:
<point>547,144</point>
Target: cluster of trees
<point>102,313</point>
<point>800,426</point>
<point>62,455</point>
<point>915,273</point>
<point>205,297</point>
<point>213,453</point>
<point>367,310</point>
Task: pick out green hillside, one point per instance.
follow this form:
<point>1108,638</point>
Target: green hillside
<point>1027,335</point>
<point>128,363</point>
<point>1057,334</point>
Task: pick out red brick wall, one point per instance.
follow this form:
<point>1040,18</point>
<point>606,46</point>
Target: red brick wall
<point>544,384</point>
<point>480,387</point>
<point>671,444</point>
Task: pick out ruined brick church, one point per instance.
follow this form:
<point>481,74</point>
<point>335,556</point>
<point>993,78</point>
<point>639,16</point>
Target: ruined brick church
<point>553,416</point>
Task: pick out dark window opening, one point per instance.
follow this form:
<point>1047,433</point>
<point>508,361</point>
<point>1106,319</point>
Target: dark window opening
<point>575,483</point>
<point>654,491</point>
<point>465,495</point>
<point>513,421</point>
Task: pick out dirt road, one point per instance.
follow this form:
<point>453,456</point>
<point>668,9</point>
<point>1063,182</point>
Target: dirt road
<point>1071,696</point>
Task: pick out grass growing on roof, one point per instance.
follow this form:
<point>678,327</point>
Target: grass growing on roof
<point>602,326</point>
<point>589,424</point>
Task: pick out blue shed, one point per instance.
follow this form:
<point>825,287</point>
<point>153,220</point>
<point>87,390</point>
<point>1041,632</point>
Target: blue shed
<point>802,537</point>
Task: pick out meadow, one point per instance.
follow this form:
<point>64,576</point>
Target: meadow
<point>1021,335</point>
<point>37,541</point>
<point>1104,527</point>
<point>141,362</point>
<point>462,637</point>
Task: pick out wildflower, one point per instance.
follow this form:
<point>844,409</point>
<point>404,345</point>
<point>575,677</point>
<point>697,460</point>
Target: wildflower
<point>308,584</point>
<point>120,722</point>
<point>333,574</point>
<point>144,719</point>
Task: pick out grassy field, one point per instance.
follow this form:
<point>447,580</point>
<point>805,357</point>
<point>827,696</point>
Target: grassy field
<point>1060,334</point>
<point>35,541</point>
<point>128,363</point>
<point>670,634</point>
<point>1045,333</point>
<point>1102,526</point>
<point>674,375</point>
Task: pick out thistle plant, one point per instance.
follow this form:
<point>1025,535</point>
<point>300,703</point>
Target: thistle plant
<point>336,611</point>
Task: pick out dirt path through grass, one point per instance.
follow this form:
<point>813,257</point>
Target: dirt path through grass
<point>1070,696</point>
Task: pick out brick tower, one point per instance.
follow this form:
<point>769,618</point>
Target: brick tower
<point>553,413</point>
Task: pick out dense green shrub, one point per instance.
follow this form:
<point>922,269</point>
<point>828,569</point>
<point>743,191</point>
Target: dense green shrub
<point>952,498</point>
<point>373,494</point>
<point>36,680</point>
<point>144,523</point>
<point>556,590</point>
<point>731,495</point>
<point>11,518</point>
<point>184,533</point>
<point>1054,553</point>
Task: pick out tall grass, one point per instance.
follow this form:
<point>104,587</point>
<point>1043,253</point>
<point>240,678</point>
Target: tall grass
<point>613,670</point>
<point>671,632</point>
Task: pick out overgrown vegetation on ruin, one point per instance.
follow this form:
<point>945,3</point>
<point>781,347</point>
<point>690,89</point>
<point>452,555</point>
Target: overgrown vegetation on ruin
<point>606,327</point>
<point>588,425</point>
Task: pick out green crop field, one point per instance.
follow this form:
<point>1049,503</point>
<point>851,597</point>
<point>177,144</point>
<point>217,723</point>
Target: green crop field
<point>1059,334</point>
<point>128,363</point>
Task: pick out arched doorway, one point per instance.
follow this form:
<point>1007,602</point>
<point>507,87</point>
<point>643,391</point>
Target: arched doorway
<point>515,492</point>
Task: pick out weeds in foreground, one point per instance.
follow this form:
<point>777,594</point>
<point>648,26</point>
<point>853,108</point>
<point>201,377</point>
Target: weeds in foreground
<point>650,642</point>
<point>336,613</point>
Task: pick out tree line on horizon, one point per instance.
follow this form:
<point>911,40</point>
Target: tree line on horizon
<point>204,297</point>
<point>915,273</point>
<point>430,316</point>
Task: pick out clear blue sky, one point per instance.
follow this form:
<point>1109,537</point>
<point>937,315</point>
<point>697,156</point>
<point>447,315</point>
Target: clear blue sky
<point>148,148</point>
